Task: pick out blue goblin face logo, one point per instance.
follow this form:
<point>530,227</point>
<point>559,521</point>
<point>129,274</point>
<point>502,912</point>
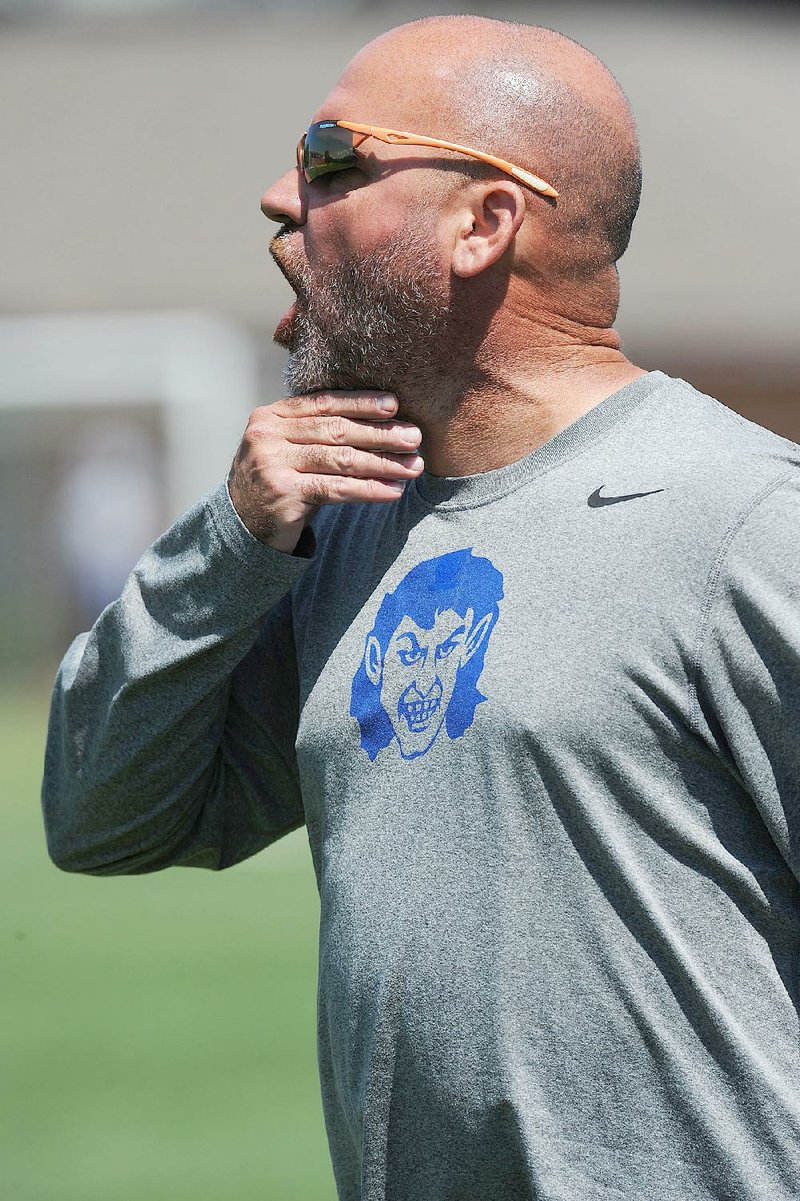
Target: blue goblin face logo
<point>424,655</point>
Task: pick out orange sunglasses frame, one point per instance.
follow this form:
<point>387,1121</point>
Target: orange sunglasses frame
<point>398,137</point>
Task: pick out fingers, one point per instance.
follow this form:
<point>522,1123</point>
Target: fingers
<point>350,461</point>
<point>399,436</point>
<point>339,430</point>
<point>345,419</point>
<point>346,404</point>
<point>324,448</point>
<point>335,489</point>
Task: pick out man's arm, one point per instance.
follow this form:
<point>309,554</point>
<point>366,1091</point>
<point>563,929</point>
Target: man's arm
<point>171,737</point>
<point>173,721</point>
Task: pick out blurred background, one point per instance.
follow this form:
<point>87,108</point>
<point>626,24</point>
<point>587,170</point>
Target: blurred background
<point>159,1032</point>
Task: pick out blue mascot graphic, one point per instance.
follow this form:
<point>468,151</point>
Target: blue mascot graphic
<point>424,655</point>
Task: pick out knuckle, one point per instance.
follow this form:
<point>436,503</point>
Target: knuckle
<point>260,416</point>
<point>337,428</point>
<point>258,427</point>
<point>313,494</point>
<point>323,403</point>
<point>279,485</point>
<point>346,458</point>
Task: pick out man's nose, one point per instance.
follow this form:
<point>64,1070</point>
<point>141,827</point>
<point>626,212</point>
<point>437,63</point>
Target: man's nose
<point>284,200</point>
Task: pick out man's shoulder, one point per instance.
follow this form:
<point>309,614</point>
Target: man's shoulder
<point>713,468</point>
<point>728,459</point>
<point>725,432</point>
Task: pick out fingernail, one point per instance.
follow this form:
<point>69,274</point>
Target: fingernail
<point>397,486</point>
<point>411,435</point>
<point>387,403</point>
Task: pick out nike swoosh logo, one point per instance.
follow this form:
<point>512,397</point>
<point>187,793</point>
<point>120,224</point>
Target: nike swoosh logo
<point>596,500</point>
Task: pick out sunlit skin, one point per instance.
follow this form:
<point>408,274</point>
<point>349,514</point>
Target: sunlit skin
<point>417,675</point>
<point>485,309</point>
<point>542,354</point>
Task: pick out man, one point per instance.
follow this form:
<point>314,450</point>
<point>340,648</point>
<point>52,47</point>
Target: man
<point>536,701</point>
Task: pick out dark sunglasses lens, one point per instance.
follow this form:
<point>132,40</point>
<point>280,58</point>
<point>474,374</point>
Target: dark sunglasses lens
<point>327,147</point>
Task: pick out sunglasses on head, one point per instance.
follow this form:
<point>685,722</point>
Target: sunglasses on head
<point>331,146</point>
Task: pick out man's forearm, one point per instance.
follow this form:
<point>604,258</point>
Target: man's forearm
<point>135,778</point>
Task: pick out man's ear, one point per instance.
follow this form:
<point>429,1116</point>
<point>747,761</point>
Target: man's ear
<point>373,660</point>
<point>488,220</point>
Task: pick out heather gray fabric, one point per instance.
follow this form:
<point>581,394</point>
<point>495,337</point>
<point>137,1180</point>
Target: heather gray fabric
<point>547,751</point>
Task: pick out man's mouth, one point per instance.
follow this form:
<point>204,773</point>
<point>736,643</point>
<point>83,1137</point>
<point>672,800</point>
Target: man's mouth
<point>284,330</point>
<point>280,249</point>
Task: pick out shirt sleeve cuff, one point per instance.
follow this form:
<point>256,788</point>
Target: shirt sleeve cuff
<point>245,546</point>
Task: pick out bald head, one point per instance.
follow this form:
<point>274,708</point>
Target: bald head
<point>525,94</point>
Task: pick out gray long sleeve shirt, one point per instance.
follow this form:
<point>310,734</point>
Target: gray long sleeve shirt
<point>543,727</point>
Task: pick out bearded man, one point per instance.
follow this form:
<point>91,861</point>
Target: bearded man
<point>513,626</point>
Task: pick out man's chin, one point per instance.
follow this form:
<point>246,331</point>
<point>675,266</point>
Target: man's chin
<point>300,379</point>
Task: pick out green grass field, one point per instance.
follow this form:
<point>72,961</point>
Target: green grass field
<point>157,1033</point>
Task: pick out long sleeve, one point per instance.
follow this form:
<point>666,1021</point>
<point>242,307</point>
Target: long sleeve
<point>172,725</point>
<point>748,679</point>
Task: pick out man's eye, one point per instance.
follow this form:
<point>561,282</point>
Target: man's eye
<point>330,176</point>
<point>410,656</point>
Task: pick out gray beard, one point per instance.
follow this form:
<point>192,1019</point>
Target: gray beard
<point>377,323</point>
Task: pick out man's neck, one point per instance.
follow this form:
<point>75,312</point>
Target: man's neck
<point>509,413</point>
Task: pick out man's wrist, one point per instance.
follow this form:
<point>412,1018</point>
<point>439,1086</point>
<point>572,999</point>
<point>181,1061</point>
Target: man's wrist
<point>267,536</point>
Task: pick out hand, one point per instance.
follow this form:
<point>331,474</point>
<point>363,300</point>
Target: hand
<point>307,451</point>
